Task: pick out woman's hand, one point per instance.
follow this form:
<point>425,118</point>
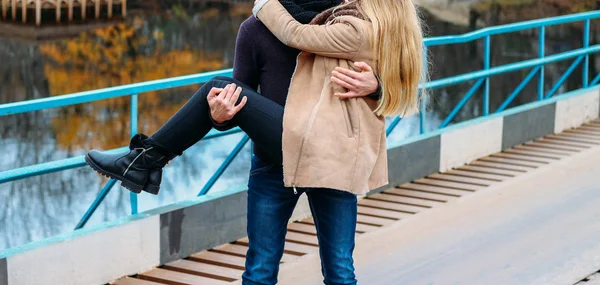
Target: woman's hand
<point>358,84</point>
<point>222,102</point>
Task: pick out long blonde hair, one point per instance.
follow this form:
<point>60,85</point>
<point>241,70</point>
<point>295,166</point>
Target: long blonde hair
<point>398,48</point>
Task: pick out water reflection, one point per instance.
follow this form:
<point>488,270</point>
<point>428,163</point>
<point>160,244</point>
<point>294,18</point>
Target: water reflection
<point>151,46</point>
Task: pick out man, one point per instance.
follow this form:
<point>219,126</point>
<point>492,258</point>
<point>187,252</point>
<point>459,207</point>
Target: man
<point>262,60</point>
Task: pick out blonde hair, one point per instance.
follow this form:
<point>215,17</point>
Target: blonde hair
<point>398,48</point>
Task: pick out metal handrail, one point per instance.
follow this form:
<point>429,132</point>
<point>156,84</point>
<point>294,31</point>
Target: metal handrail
<point>482,77</point>
<point>509,28</point>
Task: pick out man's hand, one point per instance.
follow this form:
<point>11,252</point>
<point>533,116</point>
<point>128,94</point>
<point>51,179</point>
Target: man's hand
<point>358,84</point>
<point>222,102</point>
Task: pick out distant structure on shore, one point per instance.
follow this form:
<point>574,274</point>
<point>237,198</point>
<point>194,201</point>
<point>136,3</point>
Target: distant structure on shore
<point>19,9</point>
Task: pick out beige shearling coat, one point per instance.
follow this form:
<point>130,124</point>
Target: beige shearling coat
<point>328,142</point>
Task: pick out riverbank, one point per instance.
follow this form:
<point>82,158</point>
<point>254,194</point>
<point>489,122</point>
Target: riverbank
<point>452,11</point>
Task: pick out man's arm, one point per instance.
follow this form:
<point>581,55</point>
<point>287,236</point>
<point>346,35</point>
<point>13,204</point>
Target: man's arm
<point>245,67</point>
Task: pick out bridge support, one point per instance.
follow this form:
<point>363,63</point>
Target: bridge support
<point>39,5</point>
<point>4,6</point>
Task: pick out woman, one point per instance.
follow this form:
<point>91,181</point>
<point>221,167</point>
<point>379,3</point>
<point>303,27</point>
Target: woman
<point>328,142</point>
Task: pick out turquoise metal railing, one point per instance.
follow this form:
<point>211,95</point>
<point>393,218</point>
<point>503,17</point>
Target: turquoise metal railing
<point>482,77</point>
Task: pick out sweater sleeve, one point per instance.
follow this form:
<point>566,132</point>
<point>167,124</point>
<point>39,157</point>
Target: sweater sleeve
<point>338,40</point>
<point>245,65</point>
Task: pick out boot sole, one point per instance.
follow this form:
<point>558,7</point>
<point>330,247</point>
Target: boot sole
<point>152,189</point>
<point>133,187</point>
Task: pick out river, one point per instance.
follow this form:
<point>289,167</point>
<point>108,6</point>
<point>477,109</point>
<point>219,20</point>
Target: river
<point>152,44</point>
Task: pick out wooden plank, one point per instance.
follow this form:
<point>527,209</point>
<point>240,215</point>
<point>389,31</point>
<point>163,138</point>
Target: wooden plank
<point>423,203</point>
<point>592,125</point>
<point>298,248</point>
<point>542,151</point>
<point>492,164</point>
<point>489,170</point>
<point>233,249</point>
<point>302,238</point>
<point>510,162</point>
<point>534,154</point>
<point>373,221</point>
<point>134,281</point>
<point>519,158</point>
<point>583,136</point>
<point>552,147</point>
<point>419,195</point>
<point>461,179</point>
<point>563,144</point>
<point>205,270</point>
<point>573,140</point>
<point>360,227</point>
<point>477,175</point>
<point>449,185</point>
<point>240,250</point>
<point>434,189</point>
<point>177,278</point>
<point>302,228</point>
<point>289,248</point>
<point>368,202</point>
<point>381,213</point>
<point>583,132</point>
<point>220,259</point>
<point>588,128</point>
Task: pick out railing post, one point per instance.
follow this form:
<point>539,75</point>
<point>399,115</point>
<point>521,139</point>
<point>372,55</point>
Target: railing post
<point>133,125</point>
<point>541,54</point>
<point>88,214</point>
<point>586,61</point>
<point>486,66</point>
<point>423,95</point>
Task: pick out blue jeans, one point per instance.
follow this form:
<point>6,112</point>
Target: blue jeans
<point>270,206</point>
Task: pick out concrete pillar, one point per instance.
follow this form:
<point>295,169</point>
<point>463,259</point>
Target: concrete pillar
<point>110,7</point>
<point>124,8</point>
<point>58,5</point>
<point>70,7</point>
<point>83,8</point>
<point>4,6</point>
<point>97,2</point>
<point>14,9</point>
<point>24,10</point>
<point>38,12</point>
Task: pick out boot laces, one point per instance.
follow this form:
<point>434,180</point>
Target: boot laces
<point>144,150</point>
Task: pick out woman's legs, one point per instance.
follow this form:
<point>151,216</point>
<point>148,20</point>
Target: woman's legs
<point>260,118</point>
<point>270,206</point>
<point>141,167</point>
<point>335,213</point>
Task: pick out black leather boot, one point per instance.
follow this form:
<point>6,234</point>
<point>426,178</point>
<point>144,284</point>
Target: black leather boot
<point>139,169</point>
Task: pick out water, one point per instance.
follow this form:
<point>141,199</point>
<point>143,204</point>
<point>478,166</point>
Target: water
<point>150,45</point>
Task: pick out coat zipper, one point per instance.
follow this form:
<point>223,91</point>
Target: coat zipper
<point>310,123</point>
<point>308,128</point>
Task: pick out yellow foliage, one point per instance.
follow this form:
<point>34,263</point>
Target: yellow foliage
<point>114,56</point>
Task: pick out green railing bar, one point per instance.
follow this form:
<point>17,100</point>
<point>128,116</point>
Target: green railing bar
<point>564,77</point>
<point>90,211</point>
<point>518,90</point>
<point>74,162</point>
<point>107,93</point>
<point>510,67</point>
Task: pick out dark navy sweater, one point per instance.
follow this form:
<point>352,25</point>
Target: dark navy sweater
<point>262,60</point>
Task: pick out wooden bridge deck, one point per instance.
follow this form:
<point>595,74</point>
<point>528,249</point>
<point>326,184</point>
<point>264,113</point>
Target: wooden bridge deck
<point>518,229</point>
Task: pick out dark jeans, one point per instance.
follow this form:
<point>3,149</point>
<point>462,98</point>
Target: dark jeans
<point>270,207</point>
<point>270,204</point>
<point>261,119</point>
